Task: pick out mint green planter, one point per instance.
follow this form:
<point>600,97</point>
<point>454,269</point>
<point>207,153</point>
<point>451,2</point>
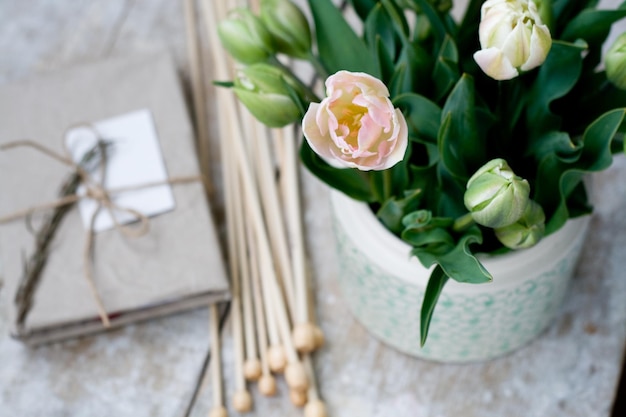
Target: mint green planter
<point>384,288</point>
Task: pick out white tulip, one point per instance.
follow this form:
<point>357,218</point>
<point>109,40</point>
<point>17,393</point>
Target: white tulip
<point>513,38</point>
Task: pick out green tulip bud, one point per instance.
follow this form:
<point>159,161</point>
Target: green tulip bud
<point>288,26</point>
<point>495,196</point>
<point>615,62</point>
<point>245,37</point>
<point>525,232</point>
<point>265,91</point>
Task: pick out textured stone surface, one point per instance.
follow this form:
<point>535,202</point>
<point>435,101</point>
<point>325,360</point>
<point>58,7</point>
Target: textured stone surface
<point>150,369</point>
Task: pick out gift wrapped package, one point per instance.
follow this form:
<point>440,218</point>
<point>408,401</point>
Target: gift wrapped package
<point>135,106</point>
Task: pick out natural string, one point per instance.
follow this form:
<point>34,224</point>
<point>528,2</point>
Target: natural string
<point>99,193</point>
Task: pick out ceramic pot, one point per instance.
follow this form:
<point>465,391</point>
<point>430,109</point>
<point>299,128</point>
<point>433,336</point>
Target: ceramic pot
<point>384,288</point>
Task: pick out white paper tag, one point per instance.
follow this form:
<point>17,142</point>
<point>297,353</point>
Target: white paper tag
<point>133,159</point>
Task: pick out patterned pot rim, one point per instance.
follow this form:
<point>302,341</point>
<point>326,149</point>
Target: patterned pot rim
<point>393,255</point>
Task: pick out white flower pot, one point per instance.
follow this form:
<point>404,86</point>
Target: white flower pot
<point>384,288</point>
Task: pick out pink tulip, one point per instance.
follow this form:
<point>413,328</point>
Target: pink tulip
<point>356,125</point>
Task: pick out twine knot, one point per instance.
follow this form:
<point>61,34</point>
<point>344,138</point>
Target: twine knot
<point>94,190</point>
<point>97,192</point>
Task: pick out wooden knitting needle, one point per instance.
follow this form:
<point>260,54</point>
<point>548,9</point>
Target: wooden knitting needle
<point>242,400</point>
<point>272,208</point>
<point>199,105</point>
<point>294,373</point>
<point>315,407</point>
<point>306,335</point>
<point>277,358</point>
<point>267,382</point>
<point>215,365</point>
<point>252,365</point>
<point>197,91</point>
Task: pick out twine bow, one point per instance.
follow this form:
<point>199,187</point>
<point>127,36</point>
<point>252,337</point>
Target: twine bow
<point>94,190</point>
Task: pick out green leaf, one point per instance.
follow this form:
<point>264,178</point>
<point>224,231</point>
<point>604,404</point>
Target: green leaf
<point>462,150</point>
<point>446,72</point>
<point>339,47</point>
<point>398,79</point>
<point>413,68</point>
<point>559,177</point>
<point>349,181</point>
<point>449,50</point>
<point>597,96</point>
<point>363,7</point>
<point>385,60</point>
<point>393,210</point>
<point>467,39</point>
<point>564,11</point>
<point>559,144</point>
<point>458,261</point>
<point>564,59</point>
<point>485,119</point>
<point>422,115</point>
<point>398,19</point>
<point>428,235</point>
<point>592,25</point>
<point>451,191</point>
<point>437,25</point>
<point>429,243</point>
<point>378,28</point>
<point>460,264</point>
<point>421,219</point>
<point>226,84</point>
<point>425,178</point>
<point>434,287</point>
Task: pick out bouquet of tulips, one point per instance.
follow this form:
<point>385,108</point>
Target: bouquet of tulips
<point>464,137</point>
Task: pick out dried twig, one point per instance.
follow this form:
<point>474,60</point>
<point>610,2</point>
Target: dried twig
<point>37,261</point>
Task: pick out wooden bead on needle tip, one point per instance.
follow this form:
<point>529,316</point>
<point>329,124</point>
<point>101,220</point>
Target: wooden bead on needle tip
<point>298,398</point>
<point>296,377</point>
<point>252,369</point>
<point>267,385</point>
<point>218,412</point>
<point>304,337</point>
<point>277,358</point>
<point>319,337</point>
<point>242,401</point>
<point>315,408</point>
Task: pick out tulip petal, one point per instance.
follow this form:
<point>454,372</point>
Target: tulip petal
<point>315,138</point>
<point>495,64</point>
<point>369,134</point>
<point>401,143</point>
<point>540,44</point>
<point>517,45</point>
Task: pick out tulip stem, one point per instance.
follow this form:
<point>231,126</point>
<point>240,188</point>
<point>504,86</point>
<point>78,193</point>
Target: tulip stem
<point>387,184</point>
<point>317,65</point>
<point>463,222</point>
<point>311,96</point>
